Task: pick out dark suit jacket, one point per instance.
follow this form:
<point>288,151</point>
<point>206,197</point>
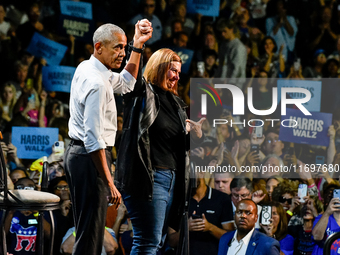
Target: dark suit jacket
<point>259,244</point>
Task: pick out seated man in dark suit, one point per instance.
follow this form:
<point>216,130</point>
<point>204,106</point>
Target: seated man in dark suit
<point>246,239</point>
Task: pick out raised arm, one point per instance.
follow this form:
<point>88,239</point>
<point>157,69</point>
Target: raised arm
<point>319,229</point>
<point>143,32</point>
<point>123,83</point>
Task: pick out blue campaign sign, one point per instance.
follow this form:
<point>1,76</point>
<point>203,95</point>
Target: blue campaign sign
<point>186,57</point>
<point>80,28</point>
<point>42,47</point>
<point>314,87</point>
<point>205,7</point>
<point>308,129</point>
<point>34,142</point>
<point>57,78</point>
<point>76,9</point>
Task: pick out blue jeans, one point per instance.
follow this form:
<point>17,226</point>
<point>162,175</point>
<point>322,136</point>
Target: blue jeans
<point>149,218</point>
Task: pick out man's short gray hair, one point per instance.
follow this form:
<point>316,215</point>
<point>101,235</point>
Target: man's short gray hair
<point>104,33</point>
<point>269,156</point>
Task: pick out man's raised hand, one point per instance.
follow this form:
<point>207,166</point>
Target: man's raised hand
<point>143,32</point>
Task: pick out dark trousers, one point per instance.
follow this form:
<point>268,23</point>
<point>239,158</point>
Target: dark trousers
<point>89,200</point>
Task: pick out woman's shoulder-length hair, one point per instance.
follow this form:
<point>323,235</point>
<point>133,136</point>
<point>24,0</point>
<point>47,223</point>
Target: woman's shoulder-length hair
<point>157,67</point>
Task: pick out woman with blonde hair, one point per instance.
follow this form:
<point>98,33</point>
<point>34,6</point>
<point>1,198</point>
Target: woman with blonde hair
<point>151,164</point>
<point>7,101</point>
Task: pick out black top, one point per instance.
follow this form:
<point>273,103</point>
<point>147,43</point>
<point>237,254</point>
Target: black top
<point>165,133</point>
<point>217,209</point>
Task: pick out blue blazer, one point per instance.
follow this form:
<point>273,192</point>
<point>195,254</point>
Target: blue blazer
<point>259,244</point>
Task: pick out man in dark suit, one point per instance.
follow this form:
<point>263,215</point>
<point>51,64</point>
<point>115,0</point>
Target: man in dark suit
<point>246,240</point>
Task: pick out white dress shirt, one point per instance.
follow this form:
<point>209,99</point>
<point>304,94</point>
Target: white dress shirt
<point>239,247</point>
<point>93,113</point>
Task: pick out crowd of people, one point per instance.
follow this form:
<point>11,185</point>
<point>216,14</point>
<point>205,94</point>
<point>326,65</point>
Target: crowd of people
<point>250,40</point>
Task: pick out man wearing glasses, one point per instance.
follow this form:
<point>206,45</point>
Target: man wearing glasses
<point>242,188</point>
<point>272,144</point>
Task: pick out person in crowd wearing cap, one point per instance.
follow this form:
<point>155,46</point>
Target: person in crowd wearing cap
<point>316,70</point>
<point>246,239</point>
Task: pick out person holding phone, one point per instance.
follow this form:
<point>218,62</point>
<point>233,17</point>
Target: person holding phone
<point>289,157</point>
<point>211,216</point>
<point>31,107</point>
<point>278,228</point>
<point>328,222</point>
<point>304,243</point>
